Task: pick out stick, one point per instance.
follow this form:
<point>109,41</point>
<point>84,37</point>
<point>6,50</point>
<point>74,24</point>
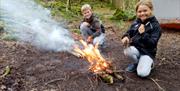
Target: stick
<point>91,84</point>
<point>7,71</point>
<point>76,54</point>
<point>118,71</point>
<point>161,89</point>
<point>54,80</point>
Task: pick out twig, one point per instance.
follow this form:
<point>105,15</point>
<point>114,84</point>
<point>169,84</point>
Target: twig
<point>75,54</point>
<point>54,80</point>
<point>75,77</point>
<point>75,83</point>
<point>160,88</point>
<point>129,78</point>
<point>6,72</point>
<point>91,83</point>
<point>166,82</point>
<point>59,87</point>
<point>117,89</point>
<point>118,71</point>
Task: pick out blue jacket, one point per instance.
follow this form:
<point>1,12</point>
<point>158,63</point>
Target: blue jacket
<point>146,42</point>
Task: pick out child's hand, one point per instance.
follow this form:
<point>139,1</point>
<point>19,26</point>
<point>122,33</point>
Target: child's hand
<point>125,41</point>
<point>141,29</point>
<point>86,23</point>
<point>89,40</point>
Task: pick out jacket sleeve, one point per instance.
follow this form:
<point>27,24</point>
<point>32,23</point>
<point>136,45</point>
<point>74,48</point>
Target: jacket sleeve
<point>97,28</point>
<point>131,31</point>
<point>151,40</point>
<point>80,23</point>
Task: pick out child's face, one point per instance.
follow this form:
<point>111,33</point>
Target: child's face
<point>143,12</point>
<point>87,13</point>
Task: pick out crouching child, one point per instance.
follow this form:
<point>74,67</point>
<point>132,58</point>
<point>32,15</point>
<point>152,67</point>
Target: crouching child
<point>142,37</point>
<point>91,28</point>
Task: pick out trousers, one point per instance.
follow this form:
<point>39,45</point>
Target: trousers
<point>86,31</point>
<point>144,62</point>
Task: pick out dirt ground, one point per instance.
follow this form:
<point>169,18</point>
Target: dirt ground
<point>37,70</point>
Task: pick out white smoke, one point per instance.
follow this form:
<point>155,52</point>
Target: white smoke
<point>32,23</point>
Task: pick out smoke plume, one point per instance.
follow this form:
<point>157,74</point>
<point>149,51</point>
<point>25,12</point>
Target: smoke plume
<point>32,23</point>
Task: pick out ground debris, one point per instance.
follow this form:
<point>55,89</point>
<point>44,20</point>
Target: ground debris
<point>6,72</point>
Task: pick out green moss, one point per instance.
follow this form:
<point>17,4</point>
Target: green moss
<point>1,26</point>
<point>76,31</point>
<point>58,7</point>
<point>8,37</point>
<point>123,15</point>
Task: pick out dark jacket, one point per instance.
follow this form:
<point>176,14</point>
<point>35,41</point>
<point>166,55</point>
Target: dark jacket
<point>146,42</point>
<point>95,25</point>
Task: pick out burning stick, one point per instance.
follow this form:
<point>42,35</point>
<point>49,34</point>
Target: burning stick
<point>98,64</point>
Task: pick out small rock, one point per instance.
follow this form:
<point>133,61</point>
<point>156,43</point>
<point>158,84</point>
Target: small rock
<point>3,87</point>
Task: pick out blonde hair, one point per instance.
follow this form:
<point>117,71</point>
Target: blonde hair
<point>145,2</point>
<point>85,7</point>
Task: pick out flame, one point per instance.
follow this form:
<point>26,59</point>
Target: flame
<point>93,56</point>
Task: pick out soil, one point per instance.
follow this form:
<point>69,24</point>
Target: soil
<point>36,70</point>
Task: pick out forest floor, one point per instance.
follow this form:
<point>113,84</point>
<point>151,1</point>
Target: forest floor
<point>36,70</point>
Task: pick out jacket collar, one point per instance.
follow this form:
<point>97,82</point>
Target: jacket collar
<point>90,19</point>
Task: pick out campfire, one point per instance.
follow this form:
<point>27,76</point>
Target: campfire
<point>98,64</point>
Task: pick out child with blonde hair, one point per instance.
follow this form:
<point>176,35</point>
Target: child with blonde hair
<point>91,28</point>
<point>142,36</point>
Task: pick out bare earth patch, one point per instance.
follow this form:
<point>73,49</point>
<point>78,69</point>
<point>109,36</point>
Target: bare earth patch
<point>35,70</point>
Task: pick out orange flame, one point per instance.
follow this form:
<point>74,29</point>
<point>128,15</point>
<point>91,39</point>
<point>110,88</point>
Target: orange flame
<point>93,56</point>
